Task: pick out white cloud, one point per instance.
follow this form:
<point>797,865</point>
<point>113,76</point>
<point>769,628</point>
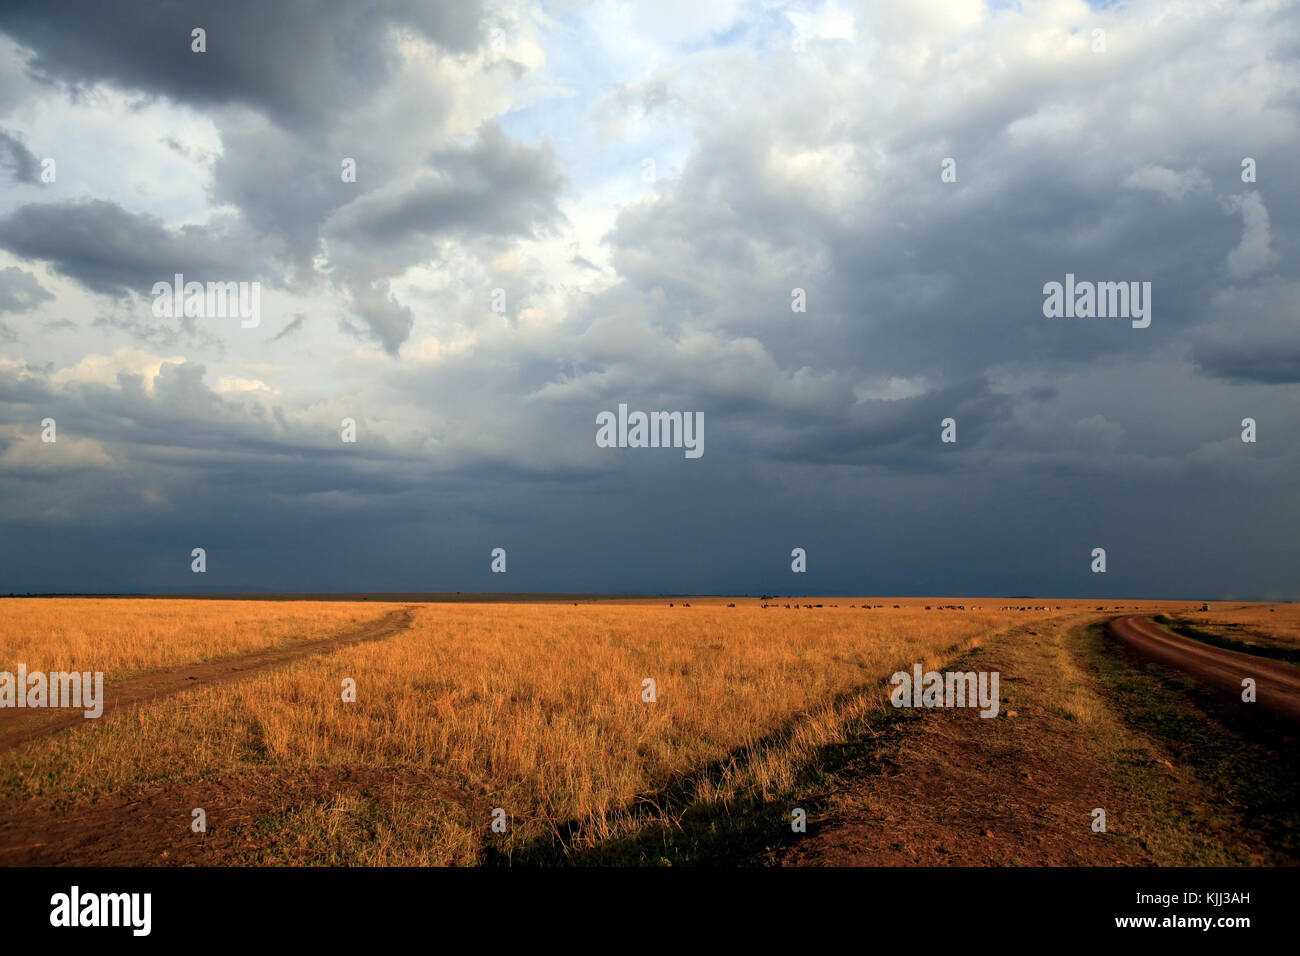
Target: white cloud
<point>104,369</point>
<point>233,383</point>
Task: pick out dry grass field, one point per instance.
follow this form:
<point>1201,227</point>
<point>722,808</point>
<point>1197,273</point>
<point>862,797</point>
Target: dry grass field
<point>536,709</point>
<point>124,636</point>
<point>1270,626</point>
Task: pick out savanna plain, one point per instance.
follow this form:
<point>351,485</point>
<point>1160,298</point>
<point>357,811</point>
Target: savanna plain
<point>636,731</point>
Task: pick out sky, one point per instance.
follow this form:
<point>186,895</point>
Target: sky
<point>824,227</point>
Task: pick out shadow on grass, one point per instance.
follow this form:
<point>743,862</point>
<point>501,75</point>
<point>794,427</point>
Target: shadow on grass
<point>681,828</point>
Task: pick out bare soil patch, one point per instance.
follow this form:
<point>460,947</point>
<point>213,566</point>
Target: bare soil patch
<point>152,826</point>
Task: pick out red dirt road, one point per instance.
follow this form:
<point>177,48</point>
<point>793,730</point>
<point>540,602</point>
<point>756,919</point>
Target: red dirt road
<point>1277,684</point>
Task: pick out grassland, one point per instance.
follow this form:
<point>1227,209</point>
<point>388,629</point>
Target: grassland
<point>1249,629</point>
<point>536,709</point>
<point>123,637</point>
<point>1276,625</point>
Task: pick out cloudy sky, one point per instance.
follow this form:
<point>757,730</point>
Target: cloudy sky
<point>561,207</point>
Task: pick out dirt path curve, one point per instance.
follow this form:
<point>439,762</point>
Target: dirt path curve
<point>1277,683</point>
<point>174,680</point>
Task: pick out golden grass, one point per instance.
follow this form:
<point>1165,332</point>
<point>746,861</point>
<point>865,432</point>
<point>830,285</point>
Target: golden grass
<point>1280,622</point>
<point>120,636</point>
<point>533,708</point>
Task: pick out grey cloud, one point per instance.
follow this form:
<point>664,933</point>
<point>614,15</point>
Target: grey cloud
<point>112,251</point>
<point>296,60</point>
<point>388,321</point>
<point>293,326</point>
<point>313,80</point>
<point>1255,336</point>
<point>491,187</point>
<point>902,435</point>
<point>1259,351</point>
<point>15,155</point>
<point>1257,362</point>
<point>19,290</point>
<point>1070,433</point>
<point>905,274</point>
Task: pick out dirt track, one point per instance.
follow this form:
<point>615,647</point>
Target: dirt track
<point>1277,683</point>
<point>163,683</point>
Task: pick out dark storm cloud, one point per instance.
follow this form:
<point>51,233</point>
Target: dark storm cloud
<point>1256,360</point>
<point>900,434</point>
<point>178,421</point>
<point>297,60</point>
<point>1255,337</point>
<point>112,251</point>
<point>310,72</point>
<point>1268,355</point>
<point>931,278</point>
<point>822,428</point>
<point>154,473</point>
<point>491,187</point>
